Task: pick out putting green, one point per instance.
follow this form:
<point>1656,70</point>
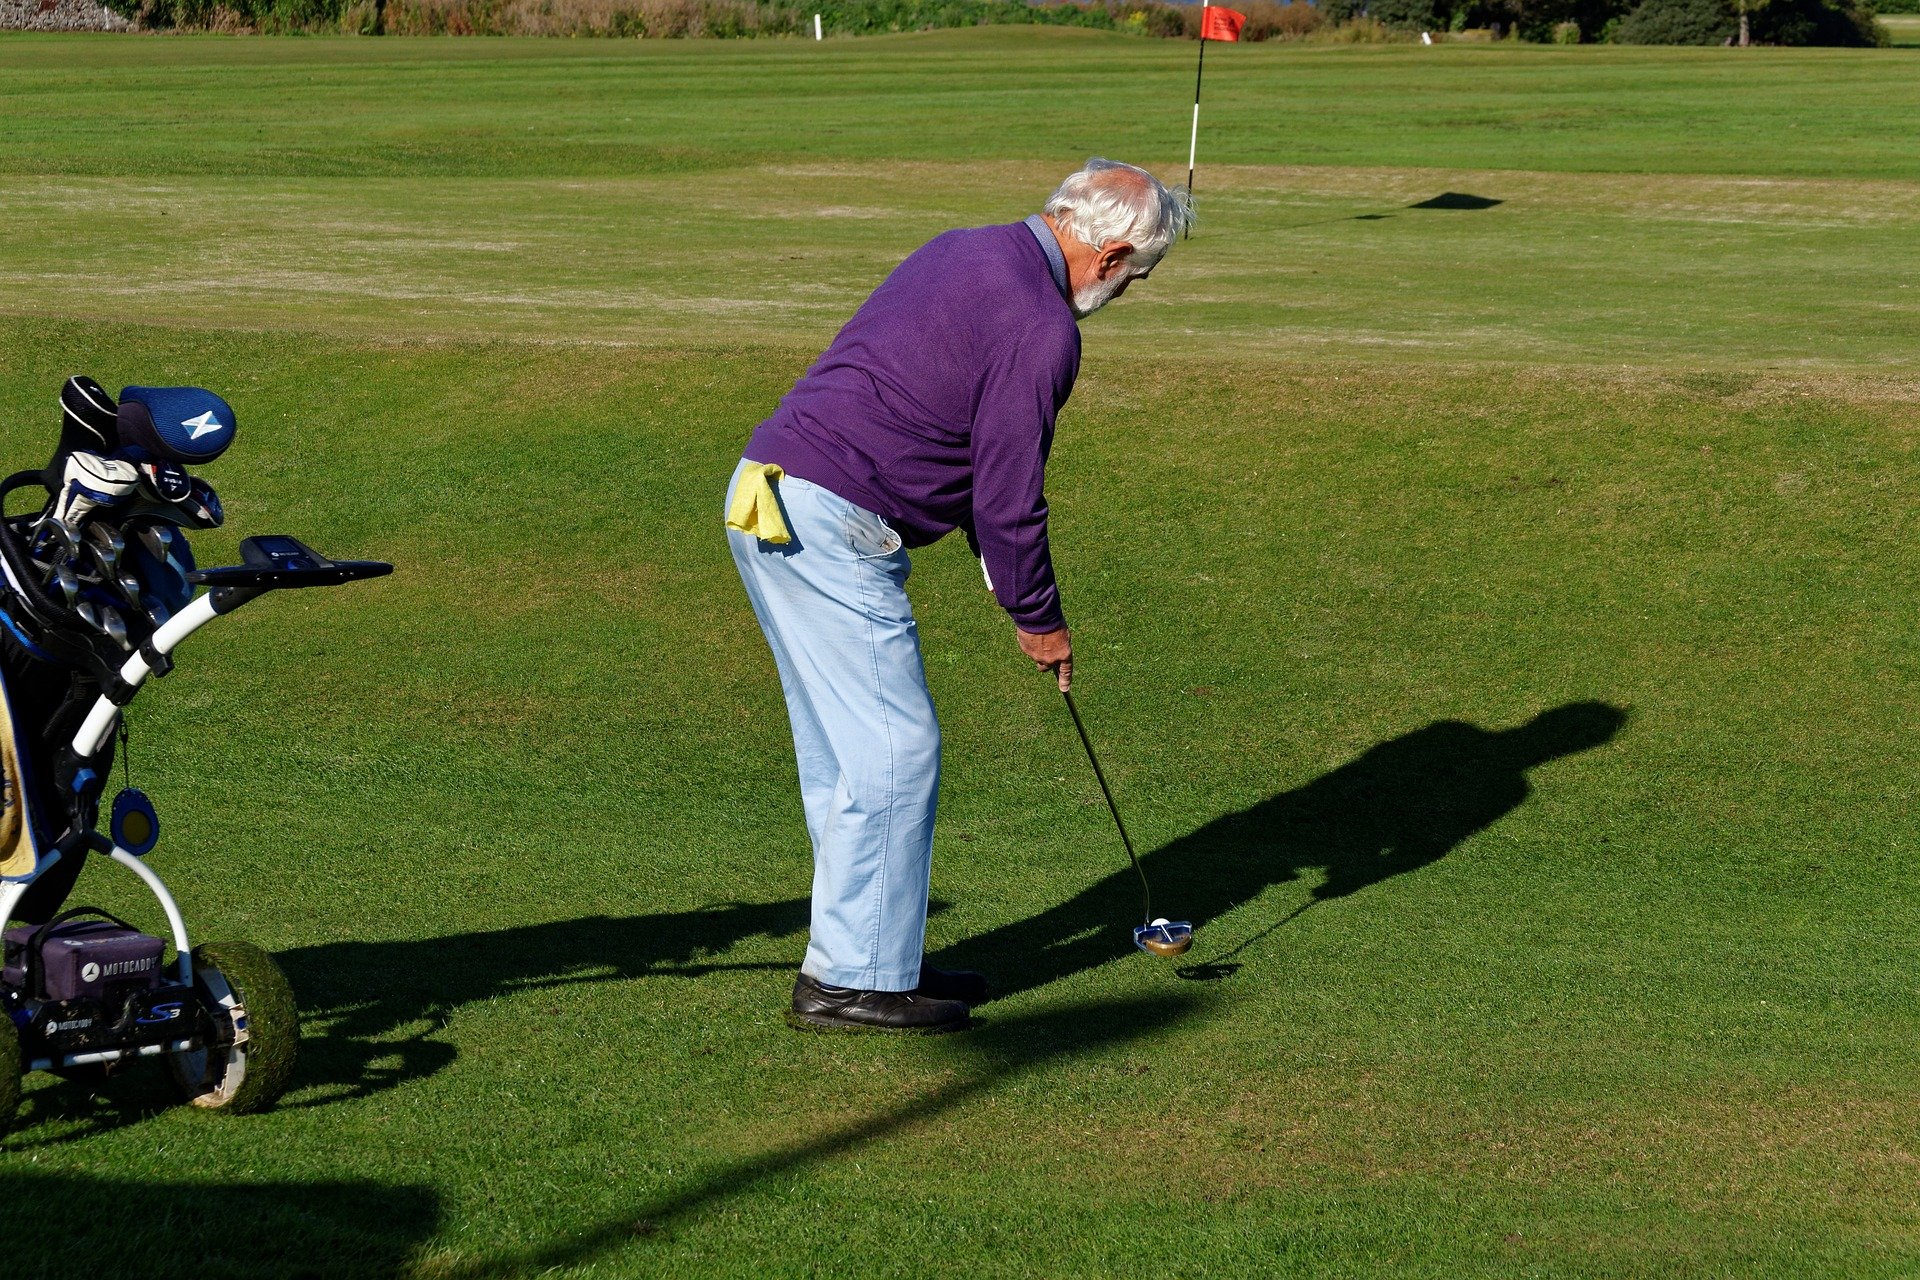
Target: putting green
<point>1493,617</point>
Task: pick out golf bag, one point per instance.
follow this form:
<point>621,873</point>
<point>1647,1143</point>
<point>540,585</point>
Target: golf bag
<point>47,797</point>
<point>90,575</point>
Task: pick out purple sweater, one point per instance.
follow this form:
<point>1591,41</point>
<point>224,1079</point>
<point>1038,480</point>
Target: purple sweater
<point>934,407</point>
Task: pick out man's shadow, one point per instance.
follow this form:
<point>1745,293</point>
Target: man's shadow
<point>1394,809</point>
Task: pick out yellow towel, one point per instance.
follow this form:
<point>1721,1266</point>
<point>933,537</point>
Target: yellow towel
<point>755,509</point>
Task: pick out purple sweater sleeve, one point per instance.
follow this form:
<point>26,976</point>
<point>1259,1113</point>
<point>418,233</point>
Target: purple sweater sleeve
<point>1012,434</point>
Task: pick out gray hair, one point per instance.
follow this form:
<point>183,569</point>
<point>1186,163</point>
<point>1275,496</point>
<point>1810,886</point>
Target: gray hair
<point>1107,201</point>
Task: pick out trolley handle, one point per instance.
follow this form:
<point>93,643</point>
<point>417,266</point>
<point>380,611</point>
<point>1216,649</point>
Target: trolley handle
<point>271,563</point>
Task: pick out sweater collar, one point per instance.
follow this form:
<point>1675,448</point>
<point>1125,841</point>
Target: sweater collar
<point>1049,245</point>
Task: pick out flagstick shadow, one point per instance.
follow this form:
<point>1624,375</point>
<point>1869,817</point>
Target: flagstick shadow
<point>1003,1050</point>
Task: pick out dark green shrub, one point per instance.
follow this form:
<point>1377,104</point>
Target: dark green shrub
<point>1791,22</point>
<point>1406,15</point>
<point>1815,22</point>
<point>1543,20</point>
<point>1678,22</point>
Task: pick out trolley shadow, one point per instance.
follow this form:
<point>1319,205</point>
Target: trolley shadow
<point>1396,808</point>
<point>371,1010</point>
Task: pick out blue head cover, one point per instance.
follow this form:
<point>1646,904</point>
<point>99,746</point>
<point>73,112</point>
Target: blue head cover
<point>185,424</point>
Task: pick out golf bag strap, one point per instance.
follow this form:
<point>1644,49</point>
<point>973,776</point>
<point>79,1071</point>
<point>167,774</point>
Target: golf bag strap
<point>47,478</point>
<point>37,943</point>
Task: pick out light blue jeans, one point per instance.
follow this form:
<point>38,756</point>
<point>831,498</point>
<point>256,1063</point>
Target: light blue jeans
<point>833,605</point>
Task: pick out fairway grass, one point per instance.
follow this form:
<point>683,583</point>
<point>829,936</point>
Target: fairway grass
<point>1495,622</point>
<point>1904,28</point>
<point>1294,262</point>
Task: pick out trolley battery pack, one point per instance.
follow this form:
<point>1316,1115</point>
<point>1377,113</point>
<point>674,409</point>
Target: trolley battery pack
<point>80,960</point>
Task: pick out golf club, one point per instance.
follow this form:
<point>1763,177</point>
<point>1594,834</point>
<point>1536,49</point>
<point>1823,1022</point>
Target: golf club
<point>65,585</point>
<point>115,627</point>
<point>1158,935</point>
<point>55,543</point>
<point>92,566</point>
<point>158,539</point>
<point>109,544</point>
<point>103,557</point>
<point>108,549</point>
<point>129,588</point>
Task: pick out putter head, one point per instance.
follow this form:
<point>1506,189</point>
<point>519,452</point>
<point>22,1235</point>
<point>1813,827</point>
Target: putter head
<point>1164,937</point>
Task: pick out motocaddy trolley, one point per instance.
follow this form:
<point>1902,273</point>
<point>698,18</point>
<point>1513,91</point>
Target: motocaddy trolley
<point>99,591</point>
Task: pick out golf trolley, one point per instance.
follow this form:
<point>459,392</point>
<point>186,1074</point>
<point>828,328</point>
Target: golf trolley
<point>99,591</point>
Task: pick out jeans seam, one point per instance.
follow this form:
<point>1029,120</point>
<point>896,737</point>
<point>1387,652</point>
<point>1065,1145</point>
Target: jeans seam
<point>886,723</point>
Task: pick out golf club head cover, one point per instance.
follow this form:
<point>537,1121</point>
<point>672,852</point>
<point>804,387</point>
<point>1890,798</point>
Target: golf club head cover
<point>89,419</point>
<point>200,509</point>
<point>183,424</point>
<point>91,482</point>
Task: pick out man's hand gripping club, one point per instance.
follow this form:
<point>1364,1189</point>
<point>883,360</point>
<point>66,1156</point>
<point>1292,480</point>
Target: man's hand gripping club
<point>1050,651</point>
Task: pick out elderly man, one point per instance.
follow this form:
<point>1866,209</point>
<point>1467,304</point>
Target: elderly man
<point>932,410</point>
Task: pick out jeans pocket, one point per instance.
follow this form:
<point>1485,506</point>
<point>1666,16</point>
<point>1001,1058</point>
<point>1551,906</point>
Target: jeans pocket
<point>870,536</point>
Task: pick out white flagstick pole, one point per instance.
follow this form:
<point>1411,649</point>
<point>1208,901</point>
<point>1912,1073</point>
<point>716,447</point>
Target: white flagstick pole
<point>1193,142</point>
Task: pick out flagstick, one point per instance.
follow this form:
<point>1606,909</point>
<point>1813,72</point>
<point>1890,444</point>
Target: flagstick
<point>1193,142</point>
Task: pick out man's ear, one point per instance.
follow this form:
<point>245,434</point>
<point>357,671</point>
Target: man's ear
<point>1114,256</point>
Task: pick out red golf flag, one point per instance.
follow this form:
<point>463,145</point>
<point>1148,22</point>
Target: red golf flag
<point>1217,22</point>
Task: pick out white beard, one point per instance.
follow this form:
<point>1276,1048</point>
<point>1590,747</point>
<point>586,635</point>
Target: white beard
<point>1097,295</point>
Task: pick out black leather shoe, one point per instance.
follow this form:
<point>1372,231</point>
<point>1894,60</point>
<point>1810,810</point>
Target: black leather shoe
<point>951,984</point>
<point>815,1004</point>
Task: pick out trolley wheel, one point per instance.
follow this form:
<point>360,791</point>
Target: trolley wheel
<point>253,1026</point>
<point>9,1072</point>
